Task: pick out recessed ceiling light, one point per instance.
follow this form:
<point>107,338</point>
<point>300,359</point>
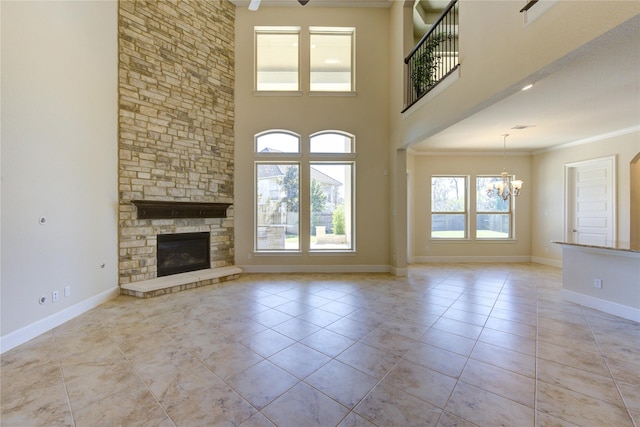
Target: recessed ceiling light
<point>527,87</point>
<point>331,61</point>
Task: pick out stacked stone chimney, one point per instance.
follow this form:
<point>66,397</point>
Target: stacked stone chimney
<point>176,118</point>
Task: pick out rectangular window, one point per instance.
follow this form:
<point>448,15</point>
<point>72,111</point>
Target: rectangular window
<point>277,63</point>
<point>331,200</point>
<point>493,214</point>
<point>277,206</point>
<point>331,57</point>
<point>449,207</point>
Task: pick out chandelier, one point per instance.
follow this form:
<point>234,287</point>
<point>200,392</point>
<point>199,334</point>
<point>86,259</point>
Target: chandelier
<point>506,186</point>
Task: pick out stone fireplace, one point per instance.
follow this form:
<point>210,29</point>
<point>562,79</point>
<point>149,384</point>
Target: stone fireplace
<point>176,139</point>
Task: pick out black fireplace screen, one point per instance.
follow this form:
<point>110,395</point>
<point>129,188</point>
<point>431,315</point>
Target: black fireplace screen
<point>182,252</point>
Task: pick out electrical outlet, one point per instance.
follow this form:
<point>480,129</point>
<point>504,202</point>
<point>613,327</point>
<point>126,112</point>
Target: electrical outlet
<point>55,296</point>
<point>67,291</point>
<point>597,283</point>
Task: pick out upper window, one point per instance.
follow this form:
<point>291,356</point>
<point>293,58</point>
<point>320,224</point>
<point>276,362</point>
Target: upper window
<point>331,57</point>
<point>449,207</point>
<point>493,214</point>
<point>277,63</point>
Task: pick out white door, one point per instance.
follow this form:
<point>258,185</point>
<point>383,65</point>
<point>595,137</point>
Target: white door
<point>591,202</point>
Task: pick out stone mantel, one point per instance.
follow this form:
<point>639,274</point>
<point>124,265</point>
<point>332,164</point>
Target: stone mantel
<point>160,209</point>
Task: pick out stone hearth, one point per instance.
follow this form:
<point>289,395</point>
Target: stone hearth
<point>180,282</point>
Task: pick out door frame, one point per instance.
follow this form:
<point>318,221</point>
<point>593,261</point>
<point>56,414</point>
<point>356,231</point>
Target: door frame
<point>569,193</point>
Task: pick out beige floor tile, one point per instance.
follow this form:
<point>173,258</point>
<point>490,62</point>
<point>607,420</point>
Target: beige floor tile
<point>448,341</point>
<point>579,359</point>
<point>436,358</point>
<point>389,342</point>
<point>578,408</point>
<point>38,407</point>
<point>391,407</point>
<point>355,420</point>
<point>501,357</point>
<point>304,406</point>
<point>262,383</point>
<point>133,406</point>
<point>100,382</point>
<point>351,328</point>
<point>424,383</point>
<point>197,397</point>
<point>299,360</point>
<point>459,328</point>
<point>546,420</point>
<point>320,317</point>
<point>369,360</point>
<point>268,342</point>
<point>257,420</point>
<point>630,394</point>
<point>487,409</point>
<point>623,370</point>
<point>296,328</point>
<point>328,342</point>
<point>230,359</point>
<point>508,341</point>
<point>450,420</point>
<point>499,381</point>
<point>585,382</point>
<point>342,383</point>
<point>511,327</point>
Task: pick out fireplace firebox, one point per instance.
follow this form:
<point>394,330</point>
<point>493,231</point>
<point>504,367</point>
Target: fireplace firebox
<point>182,252</point>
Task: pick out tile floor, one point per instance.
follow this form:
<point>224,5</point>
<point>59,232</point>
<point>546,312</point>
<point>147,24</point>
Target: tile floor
<point>449,345</point>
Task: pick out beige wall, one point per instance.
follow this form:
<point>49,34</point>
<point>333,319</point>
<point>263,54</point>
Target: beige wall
<point>364,115</point>
<point>548,190</point>
<point>59,161</point>
<point>425,249</point>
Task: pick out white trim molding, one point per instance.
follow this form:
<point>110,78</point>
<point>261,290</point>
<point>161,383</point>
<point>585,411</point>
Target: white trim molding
<point>626,312</point>
<point>315,268</point>
<point>26,333</point>
<point>462,259</point>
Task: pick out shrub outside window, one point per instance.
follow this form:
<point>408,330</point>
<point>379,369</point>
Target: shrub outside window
<point>331,193</point>
<point>449,207</point>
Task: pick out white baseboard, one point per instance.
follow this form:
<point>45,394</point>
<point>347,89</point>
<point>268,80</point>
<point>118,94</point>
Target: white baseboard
<point>609,307</point>
<point>24,334</point>
<point>547,261</point>
<point>479,259</point>
<point>315,268</point>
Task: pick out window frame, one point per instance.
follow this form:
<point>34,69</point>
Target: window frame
<point>465,212</point>
<point>305,160</point>
<point>288,30</point>
<point>509,212</point>
<point>350,31</point>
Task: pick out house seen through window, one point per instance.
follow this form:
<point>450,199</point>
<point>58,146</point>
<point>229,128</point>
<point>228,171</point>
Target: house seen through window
<point>304,202</point>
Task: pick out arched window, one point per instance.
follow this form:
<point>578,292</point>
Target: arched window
<point>304,192</point>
